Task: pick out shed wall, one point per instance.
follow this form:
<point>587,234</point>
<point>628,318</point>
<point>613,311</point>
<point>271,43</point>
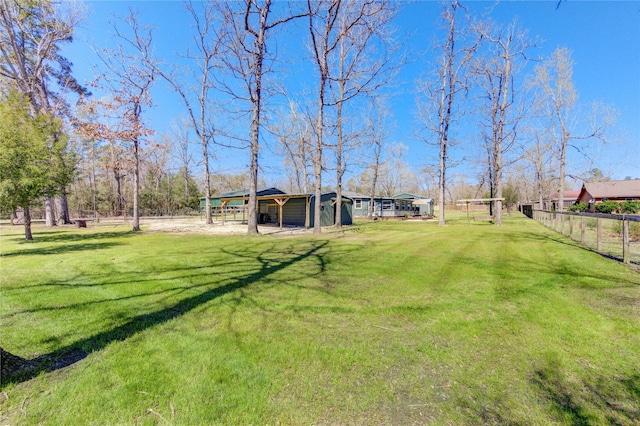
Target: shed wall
<point>347,213</point>
<point>294,212</point>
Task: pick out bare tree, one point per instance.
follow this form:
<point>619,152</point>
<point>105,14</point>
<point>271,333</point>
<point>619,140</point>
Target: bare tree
<point>247,60</point>
<point>394,173</point>
<point>99,122</point>
<point>539,155</point>
<point>378,128</point>
<point>293,132</point>
<point>130,78</point>
<point>88,149</point>
<point>558,99</point>
<point>438,108</point>
<point>363,65</point>
<point>506,56</point>
<point>180,131</point>
<point>331,24</point>
<point>197,97</point>
<point>323,17</point>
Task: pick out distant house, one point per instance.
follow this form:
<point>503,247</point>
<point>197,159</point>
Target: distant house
<point>397,206</point>
<point>420,205</point>
<point>361,204</point>
<point>569,198</point>
<point>614,190</point>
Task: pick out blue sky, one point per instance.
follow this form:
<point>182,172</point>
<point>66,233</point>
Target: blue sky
<point>603,35</point>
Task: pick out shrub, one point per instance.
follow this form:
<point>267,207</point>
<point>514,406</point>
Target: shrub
<point>630,207</point>
<point>634,229</point>
<point>579,207</point>
<point>607,207</point>
<point>592,223</point>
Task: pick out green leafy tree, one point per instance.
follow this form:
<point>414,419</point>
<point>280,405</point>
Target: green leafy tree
<point>32,36</point>
<point>34,160</point>
<point>511,197</point>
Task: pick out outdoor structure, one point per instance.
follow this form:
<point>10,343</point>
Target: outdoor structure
<point>297,210</point>
<point>614,190</point>
<point>475,201</point>
<point>236,199</point>
<point>279,208</point>
<point>397,206</point>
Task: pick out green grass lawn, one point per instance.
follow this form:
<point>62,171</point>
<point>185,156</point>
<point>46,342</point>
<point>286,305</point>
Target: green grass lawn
<point>386,323</point>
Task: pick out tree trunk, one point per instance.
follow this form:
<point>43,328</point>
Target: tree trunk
<point>339,163</point>
<point>119,199</point>
<point>49,213</point>
<point>497,214</point>
<point>374,179</point>
<point>563,161</point>
<point>374,182</point>
<point>136,186</point>
<point>27,223</point>
<point>442,183</point>
<point>252,224</point>
<point>317,167</point>
<point>317,160</point>
<point>207,183</point>
<point>62,207</point>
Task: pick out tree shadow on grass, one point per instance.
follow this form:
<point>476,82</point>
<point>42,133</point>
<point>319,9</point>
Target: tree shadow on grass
<point>15,369</point>
<point>74,242</point>
<point>557,237</point>
<point>67,248</point>
<point>61,237</point>
<point>611,400</point>
<point>523,265</point>
<point>64,235</point>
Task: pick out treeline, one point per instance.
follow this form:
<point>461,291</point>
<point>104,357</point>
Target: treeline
<point>514,119</point>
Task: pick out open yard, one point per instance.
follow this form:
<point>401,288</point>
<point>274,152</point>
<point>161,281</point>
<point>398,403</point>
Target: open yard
<point>384,323</point>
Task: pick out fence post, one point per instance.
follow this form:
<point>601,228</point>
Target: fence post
<point>583,229</point>
<point>626,256</point>
<point>571,227</point>
<point>599,235</point>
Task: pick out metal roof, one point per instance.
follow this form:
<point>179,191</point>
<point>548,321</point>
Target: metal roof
<point>242,193</point>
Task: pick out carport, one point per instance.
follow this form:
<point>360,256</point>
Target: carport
<point>296,209</point>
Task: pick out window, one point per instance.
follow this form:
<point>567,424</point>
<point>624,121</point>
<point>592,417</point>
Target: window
<point>358,204</point>
<point>387,205</point>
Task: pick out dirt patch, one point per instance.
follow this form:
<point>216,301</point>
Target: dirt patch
<point>197,226</point>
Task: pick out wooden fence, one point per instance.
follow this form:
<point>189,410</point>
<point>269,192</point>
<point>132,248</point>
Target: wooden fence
<point>615,235</point>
